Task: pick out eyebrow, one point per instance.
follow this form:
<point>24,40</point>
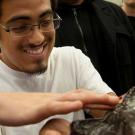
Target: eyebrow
<point>15,18</point>
<point>49,12</point>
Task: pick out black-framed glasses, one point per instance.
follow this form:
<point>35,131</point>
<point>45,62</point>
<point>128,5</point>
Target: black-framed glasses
<point>46,25</point>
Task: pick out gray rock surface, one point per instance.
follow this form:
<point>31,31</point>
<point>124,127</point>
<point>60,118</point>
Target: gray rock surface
<point>120,121</point>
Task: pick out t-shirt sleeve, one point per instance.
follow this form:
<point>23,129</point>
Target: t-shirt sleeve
<point>87,76</point>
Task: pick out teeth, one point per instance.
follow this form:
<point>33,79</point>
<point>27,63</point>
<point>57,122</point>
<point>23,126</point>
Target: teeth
<point>34,51</point>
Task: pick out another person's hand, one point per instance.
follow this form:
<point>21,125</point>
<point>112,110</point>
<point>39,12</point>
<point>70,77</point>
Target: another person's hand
<point>59,126</point>
<point>28,108</point>
<point>98,110</point>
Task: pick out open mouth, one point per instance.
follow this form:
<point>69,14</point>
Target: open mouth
<point>35,50</point>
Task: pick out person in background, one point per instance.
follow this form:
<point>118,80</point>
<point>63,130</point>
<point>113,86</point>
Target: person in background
<point>128,7</point>
<point>30,63</point>
<point>102,31</point>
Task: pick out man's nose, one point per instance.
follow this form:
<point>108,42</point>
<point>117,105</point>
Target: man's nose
<point>36,37</point>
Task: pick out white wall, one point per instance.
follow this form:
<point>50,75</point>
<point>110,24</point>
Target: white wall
<point>116,1</point>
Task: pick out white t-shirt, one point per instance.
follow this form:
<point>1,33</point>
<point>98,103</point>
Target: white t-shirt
<point>68,69</point>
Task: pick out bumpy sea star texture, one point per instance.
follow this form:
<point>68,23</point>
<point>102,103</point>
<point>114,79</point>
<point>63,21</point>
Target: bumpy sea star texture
<point>120,121</point>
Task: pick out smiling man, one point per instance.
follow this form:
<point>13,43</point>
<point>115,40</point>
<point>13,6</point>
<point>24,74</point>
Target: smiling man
<point>31,63</point>
<point>25,47</point>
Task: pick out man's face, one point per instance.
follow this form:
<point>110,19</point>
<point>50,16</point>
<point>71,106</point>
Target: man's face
<point>28,53</point>
<point>130,3</point>
<point>73,2</point>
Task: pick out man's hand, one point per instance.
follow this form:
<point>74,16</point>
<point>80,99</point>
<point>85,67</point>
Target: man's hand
<point>56,127</point>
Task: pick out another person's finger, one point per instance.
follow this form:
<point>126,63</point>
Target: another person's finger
<point>64,107</point>
<point>98,106</point>
<point>88,97</point>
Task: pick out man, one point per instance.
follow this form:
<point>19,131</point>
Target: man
<point>30,63</point>
<point>102,31</point>
<point>128,7</point>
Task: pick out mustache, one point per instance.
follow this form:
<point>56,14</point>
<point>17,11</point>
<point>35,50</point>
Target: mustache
<point>31,45</point>
<point>40,44</point>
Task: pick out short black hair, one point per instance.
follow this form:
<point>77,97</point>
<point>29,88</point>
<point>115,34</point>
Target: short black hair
<point>53,5</point>
<point>1,7</point>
